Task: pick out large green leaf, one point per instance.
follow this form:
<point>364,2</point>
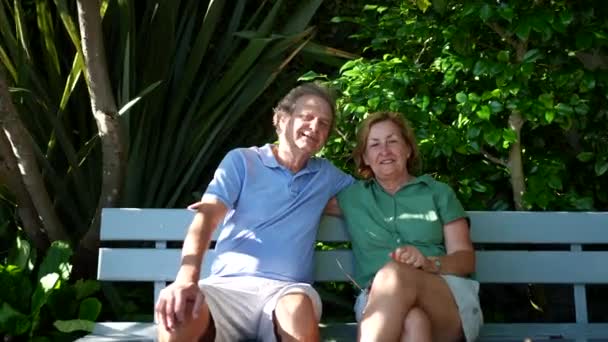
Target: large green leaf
<point>74,325</point>
<point>16,287</point>
<point>20,254</point>
<point>56,261</point>
<point>89,309</point>
<point>13,322</point>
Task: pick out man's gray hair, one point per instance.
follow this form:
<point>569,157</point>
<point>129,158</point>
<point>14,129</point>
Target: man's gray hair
<point>287,104</point>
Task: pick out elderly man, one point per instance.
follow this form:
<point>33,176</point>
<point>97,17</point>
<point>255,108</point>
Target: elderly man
<point>268,201</point>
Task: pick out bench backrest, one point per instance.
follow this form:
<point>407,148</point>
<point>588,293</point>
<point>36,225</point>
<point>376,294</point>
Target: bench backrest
<point>512,247</point>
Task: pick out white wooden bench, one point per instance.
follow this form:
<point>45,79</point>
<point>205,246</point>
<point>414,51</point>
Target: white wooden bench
<point>573,265</point>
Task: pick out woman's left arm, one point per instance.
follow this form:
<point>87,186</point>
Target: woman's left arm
<point>460,255</point>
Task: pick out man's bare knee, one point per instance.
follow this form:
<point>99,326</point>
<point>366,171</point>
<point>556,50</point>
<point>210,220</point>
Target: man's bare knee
<point>295,318</point>
<point>200,328</point>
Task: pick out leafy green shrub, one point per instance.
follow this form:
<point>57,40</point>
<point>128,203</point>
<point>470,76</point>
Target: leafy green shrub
<point>38,303</point>
<point>505,97</point>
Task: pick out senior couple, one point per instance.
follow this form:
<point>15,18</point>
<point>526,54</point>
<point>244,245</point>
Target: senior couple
<point>410,238</point>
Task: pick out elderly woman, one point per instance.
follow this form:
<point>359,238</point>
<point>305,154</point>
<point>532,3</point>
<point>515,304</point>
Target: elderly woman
<point>410,238</point>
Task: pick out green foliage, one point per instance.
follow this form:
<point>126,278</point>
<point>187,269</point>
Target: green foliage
<point>211,67</point>
<point>52,101</point>
<point>41,302</point>
<point>184,76</point>
<point>191,80</point>
<point>461,73</point>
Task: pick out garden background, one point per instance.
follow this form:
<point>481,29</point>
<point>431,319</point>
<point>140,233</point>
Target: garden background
<point>133,103</point>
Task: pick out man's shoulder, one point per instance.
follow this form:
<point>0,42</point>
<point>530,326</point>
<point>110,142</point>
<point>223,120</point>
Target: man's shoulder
<point>320,164</point>
<point>246,152</point>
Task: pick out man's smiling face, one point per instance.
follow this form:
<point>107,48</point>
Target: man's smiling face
<point>307,128</point>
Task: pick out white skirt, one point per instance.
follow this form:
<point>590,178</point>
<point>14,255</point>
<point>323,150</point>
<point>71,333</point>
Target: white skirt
<point>466,294</point>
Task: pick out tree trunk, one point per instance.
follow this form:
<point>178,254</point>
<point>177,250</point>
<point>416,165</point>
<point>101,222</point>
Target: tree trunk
<point>515,163</point>
<point>104,110</point>
<point>9,176</point>
<point>37,210</point>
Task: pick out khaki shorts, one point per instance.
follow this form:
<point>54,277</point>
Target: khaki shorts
<point>465,292</point>
<point>242,307</point>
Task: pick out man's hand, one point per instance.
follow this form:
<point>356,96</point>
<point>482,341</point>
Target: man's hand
<point>194,206</point>
<point>409,255</point>
<point>172,302</point>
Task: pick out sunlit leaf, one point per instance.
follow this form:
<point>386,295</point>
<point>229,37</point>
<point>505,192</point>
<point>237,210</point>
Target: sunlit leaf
<point>585,156</point>
<point>136,99</point>
<point>423,5</point>
<point>532,55</point>
<point>461,97</point>
<point>310,76</point>
<point>484,112</point>
<point>74,325</point>
<point>601,166</point>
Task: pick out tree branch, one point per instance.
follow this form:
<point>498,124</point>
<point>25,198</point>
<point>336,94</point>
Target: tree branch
<point>424,46</point>
<point>103,106</point>
<point>520,46</point>
<point>516,122</point>
<point>17,148</point>
<point>503,34</point>
<point>492,158</point>
<point>10,176</point>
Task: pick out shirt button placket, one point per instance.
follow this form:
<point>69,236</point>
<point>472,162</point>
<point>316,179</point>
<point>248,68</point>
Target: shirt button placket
<point>395,224</point>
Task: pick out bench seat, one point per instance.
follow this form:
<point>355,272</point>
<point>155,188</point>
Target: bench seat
<point>343,332</point>
<point>511,248</point>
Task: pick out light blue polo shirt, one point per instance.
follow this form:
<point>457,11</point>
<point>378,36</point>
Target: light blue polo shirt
<point>270,228</point>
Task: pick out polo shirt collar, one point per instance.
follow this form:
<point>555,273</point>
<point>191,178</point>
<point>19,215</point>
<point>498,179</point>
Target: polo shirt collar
<point>269,160</point>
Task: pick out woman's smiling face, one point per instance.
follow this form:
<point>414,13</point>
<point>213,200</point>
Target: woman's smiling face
<point>386,152</point>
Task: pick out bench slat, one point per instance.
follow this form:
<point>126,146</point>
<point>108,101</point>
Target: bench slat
<point>539,227</point>
<point>508,267</point>
<point>545,330</point>
<point>131,224</point>
<point>146,264</point>
<point>119,224</point>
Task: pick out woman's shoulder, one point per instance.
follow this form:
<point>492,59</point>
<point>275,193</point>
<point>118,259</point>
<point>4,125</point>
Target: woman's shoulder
<point>355,190</point>
<point>434,184</point>
<point>359,185</point>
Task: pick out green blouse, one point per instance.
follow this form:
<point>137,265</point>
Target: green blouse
<point>379,222</point>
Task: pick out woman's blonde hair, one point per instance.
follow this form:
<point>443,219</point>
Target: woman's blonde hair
<point>413,162</point>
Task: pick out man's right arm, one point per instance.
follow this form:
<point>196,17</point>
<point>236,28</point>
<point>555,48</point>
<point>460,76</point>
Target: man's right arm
<point>210,211</point>
<point>172,303</point>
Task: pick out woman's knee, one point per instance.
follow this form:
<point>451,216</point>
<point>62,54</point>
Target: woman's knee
<point>396,276</point>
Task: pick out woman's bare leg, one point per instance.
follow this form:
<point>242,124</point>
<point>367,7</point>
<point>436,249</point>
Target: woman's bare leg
<point>416,327</point>
<point>396,289</point>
